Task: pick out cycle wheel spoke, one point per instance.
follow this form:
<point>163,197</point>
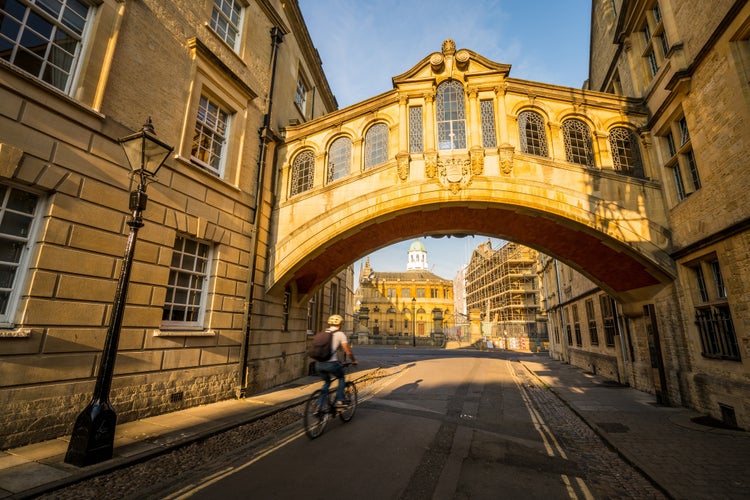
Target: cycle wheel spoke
<point>315,418</point>
<point>351,394</point>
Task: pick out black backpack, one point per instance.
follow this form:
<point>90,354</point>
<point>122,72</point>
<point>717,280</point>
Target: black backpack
<point>320,347</point>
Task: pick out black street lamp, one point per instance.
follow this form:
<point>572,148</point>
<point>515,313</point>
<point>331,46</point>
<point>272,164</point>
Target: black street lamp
<point>94,431</point>
<point>414,322</point>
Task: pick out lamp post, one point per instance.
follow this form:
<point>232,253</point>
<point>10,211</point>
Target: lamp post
<point>94,431</point>
<point>414,322</point>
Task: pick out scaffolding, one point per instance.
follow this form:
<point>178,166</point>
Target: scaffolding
<point>503,285</point>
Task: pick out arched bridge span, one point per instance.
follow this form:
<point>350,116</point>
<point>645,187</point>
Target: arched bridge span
<point>597,211</point>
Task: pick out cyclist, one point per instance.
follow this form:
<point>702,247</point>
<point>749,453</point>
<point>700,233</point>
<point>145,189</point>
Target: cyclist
<point>334,367</point>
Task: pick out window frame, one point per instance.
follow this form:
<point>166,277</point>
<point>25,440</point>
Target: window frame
<point>206,276</point>
<point>713,316</point>
<point>626,152</point>
<point>376,147</point>
<point>450,130</point>
<point>299,183</point>
<point>538,145</point>
<point>82,42</point>
<point>583,147</point>
<point>27,243</point>
<point>334,172</point>
<point>301,91</point>
<point>219,169</point>
<point>681,159</point>
<point>237,29</point>
<point>416,129</point>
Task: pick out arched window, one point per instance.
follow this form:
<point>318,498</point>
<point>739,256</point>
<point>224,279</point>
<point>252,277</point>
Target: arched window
<point>339,158</point>
<point>626,155</point>
<point>303,172</point>
<point>376,145</point>
<point>578,146</point>
<point>451,115</point>
<point>533,134</point>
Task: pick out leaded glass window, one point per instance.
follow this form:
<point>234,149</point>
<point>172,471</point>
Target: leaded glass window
<point>487,113</point>
<point>225,20</point>
<point>625,153</point>
<point>44,38</point>
<point>339,158</point>
<point>186,289</point>
<point>533,135</point>
<point>18,212</point>
<point>376,145</point>
<point>303,172</point>
<point>451,115</point>
<point>578,145</point>
<point>416,142</point>
<point>211,131</point>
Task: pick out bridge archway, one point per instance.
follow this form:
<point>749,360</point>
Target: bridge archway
<point>571,199</point>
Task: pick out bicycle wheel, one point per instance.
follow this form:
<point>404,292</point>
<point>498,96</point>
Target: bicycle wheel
<point>350,392</point>
<point>316,418</point>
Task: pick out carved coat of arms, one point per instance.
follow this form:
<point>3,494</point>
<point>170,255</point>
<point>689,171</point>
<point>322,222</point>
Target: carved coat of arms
<point>454,173</point>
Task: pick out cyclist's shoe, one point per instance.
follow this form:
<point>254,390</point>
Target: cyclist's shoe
<point>342,404</point>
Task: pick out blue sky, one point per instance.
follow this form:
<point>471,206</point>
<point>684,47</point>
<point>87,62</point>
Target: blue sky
<point>364,43</point>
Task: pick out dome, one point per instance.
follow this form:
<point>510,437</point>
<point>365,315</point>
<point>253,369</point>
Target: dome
<point>417,246</point>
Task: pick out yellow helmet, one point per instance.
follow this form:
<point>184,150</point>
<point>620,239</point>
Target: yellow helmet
<point>335,320</point>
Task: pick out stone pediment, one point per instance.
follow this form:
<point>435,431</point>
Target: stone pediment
<point>451,63</point>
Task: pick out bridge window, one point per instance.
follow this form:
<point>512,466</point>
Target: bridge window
<point>211,132</point>
<point>376,145</point>
<point>303,172</point>
<point>226,21</point>
<point>416,142</point>
<point>487,112</point>
<point>625,152</point>
<point>533,135</point>
<point>451,115</point>
<point>44,38</point>
<point>712,315</point>
<point>578,145</point>
<point>339,158</point>
<point>188,275</point>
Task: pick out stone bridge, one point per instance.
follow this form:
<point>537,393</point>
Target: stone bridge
<point>458,147</point>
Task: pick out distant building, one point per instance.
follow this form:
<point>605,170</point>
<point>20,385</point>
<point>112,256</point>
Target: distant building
<point>416,302</point>
<point>503,285</point>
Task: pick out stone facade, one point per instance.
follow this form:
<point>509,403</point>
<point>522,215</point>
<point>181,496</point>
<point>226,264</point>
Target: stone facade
<point>414,304</point>
<point>689,344</point>
<point>65,183</point>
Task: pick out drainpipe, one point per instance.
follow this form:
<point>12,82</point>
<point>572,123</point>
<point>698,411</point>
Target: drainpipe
<point>265,135</point>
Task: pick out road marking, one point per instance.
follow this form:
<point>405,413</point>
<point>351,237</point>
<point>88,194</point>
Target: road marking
<point>547,437</point>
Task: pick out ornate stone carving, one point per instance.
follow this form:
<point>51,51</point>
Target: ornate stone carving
<point>454,173</point>
<point>449,47</point>
<point>477,161</point>
<point>506,158</point>
<point>402,165</point>
<point>430,165</point>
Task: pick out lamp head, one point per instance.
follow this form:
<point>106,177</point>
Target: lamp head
<point>145,153</point>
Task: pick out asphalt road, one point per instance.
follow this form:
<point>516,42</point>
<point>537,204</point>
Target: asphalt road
<point>447,424</point>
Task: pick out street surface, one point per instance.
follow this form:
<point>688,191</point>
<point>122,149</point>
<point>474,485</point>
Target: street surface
<point>441,425</point>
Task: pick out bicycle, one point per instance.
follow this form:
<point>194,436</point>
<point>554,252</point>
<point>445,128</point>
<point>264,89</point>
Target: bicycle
<point>317,418</point>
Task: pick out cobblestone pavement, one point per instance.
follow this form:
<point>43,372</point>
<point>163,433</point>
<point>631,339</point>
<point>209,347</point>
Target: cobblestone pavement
<point>604,471</point>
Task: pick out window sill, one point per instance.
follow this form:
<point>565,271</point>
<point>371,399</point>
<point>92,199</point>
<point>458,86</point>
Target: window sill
<point>184,333</point>
<point>19,333</point>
